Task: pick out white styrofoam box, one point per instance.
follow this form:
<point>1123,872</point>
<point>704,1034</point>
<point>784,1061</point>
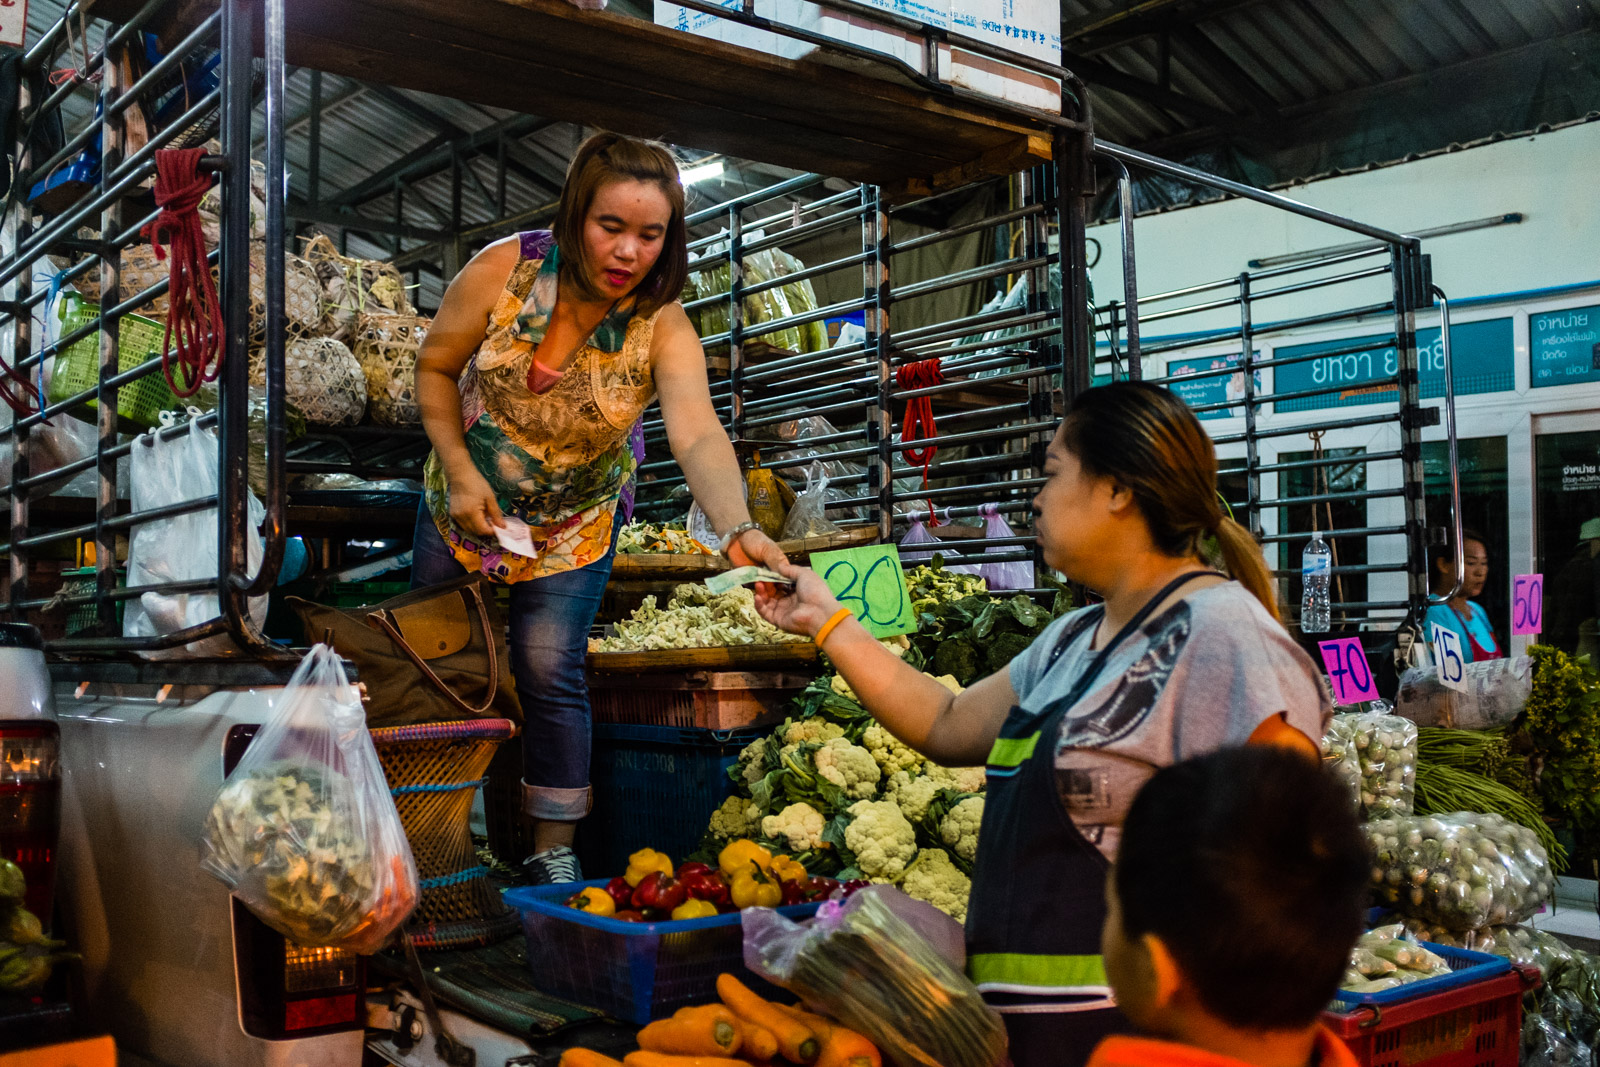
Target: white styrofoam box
<point>1031,27</point>
<point>1028,26</point>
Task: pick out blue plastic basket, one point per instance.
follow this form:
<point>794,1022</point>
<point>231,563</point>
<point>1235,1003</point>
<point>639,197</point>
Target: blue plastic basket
<point>1466,967</point>
<point>634,972</point>
<point>655,787</point>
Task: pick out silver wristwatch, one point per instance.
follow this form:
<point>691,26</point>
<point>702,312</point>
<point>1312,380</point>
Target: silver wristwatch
<point>732,535</point>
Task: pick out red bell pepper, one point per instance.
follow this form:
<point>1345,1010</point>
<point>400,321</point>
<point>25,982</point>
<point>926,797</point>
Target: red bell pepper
<point>660,892</point>
<point>707,885</point>
<point>621,892</point>
<point>822,888</point>
<point>795,892</point>
<point>629,916</point>
<point>688,869</point>
<point>854,884</point>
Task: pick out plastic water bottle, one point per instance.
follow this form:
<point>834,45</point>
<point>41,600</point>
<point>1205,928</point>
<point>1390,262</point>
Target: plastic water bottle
<point>1316,568</point>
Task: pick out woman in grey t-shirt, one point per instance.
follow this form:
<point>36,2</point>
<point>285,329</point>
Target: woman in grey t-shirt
<point>1177,661</point>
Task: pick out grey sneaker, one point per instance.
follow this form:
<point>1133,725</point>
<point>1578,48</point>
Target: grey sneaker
<point>552,866</point>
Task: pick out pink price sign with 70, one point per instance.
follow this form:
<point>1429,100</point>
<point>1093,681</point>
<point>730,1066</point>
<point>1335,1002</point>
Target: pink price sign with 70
<point>1348,670</point>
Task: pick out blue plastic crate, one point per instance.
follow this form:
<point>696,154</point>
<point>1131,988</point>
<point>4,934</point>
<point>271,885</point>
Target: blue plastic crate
<point>634,972</point>
<point>655,787</point>
<point>1466,967</point>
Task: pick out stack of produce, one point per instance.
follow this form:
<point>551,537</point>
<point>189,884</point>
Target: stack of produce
<point>769,305</point>
<point>1376,754</point>
<point>742,1030</point>
<point>694,618</point>
<point>1387,958</point>
<point>1462,871</point>
<point>27,956</point>
<point>746,875</point>
<point>640,537</point>
<point>966,633</point>
<point>1561,723</point>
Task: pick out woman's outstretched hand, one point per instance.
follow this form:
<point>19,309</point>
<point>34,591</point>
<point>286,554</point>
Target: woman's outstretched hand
<point>802,610</point>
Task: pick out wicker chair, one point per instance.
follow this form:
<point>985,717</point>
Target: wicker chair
<point>433,770</point>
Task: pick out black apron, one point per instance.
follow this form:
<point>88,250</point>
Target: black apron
<point>1038,887</point>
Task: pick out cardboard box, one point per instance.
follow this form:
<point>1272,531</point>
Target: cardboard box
<point>1028,26</point>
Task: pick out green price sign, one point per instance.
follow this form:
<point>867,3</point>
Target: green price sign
<point>870,582</point>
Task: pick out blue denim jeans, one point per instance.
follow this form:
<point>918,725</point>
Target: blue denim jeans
<point>550,621</point>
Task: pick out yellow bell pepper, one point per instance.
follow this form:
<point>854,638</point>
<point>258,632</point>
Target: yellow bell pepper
<point>644,863</point>
<point>694,909</point>
<point>788,869</point>
<point>755,888</point>
<point>593,900</point>
<point>737,857</point>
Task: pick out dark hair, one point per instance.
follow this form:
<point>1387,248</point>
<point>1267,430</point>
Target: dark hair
<point>610,157</point>
<point>1249,865</point>
<point>1148,440</point>
<point>1446,553</point>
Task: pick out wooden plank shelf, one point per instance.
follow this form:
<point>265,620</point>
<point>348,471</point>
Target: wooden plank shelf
<point>549,58</point>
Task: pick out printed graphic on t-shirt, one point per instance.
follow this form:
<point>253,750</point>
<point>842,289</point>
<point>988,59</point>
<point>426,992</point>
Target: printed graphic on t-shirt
<point>1131,702</point>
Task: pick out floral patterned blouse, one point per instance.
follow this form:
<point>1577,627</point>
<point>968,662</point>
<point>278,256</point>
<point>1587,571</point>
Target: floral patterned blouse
<point>563,460</point>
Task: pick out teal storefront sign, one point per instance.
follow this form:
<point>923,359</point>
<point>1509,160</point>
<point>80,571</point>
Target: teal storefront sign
<point>1564,346</point>
<point>1481,351</point>
<point>1215,389</point>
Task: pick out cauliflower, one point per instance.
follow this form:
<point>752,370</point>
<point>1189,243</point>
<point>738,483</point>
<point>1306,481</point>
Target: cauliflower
<point>736,818</point>
<point>961,779</point>
<point>933,877</point>
<point>800,824</point>
<point>959,830</point>
<point>753,760</point>
<point>819,730</point>
<point>842,687</point>
<point>881,839</point>
<point>850,767</point>
<point>913,794</point>
<point>949,682</point>
<point>892,756</point>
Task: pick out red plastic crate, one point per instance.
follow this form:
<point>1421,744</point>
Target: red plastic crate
<point>696,699</point>
<point>1477,1025</point>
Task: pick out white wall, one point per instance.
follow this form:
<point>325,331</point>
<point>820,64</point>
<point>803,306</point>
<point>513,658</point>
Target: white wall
<point>1550,178</point>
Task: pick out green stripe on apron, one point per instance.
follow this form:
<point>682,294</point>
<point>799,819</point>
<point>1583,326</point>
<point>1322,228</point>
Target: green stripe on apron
<point>1051,972</point>
<point>1012,751</point>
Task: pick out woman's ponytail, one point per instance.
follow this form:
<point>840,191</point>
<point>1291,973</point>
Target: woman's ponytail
<point>1242,556</point>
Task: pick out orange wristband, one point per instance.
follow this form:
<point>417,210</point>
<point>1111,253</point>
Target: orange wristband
<point>829,626</point>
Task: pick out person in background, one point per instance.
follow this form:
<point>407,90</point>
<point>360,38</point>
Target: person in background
<point>1177,661</point>
<point>1461,614</point>
<point>1236,896</point>
<point>546,350</point>
<point>1573,597</point>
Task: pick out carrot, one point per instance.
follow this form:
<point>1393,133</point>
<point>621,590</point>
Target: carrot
<point>643,1058</point>
<point>759,1042</point>
<point>795,1040</point>
<point>819,1026</point>
<point>587,1057</point>
<point>846,1048</point>
<point>710,1030</point>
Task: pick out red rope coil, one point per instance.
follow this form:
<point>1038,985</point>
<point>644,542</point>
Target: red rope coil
<point>195,314</point>
<point>917,422</point>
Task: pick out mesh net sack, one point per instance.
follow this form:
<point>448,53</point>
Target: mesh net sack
<point>321,379</point>
<point>354,287</point>
<point>386,346</point>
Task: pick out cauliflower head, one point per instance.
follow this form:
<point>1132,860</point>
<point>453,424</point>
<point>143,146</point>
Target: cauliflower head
<point>934,878</point>
<point>841,687</point>
<point>881,839</point>
<point>959,830</point>
<point>752,761</point>
<point>738,817</point>
<point>950,683</point>
<point>891,755</point>
<point>850,767</point>
<point>961,779</point>
<point>914,795</point>
<point>799,824</point>
<point>819,730</point>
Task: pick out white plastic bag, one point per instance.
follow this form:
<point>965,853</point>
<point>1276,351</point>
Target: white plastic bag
<point>182,547</point>
<point>809,516</point>
<point>1495,693</point>
<point>304,831</point>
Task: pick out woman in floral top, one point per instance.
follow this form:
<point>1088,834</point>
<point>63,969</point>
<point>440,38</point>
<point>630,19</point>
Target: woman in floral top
<point>546,351</point>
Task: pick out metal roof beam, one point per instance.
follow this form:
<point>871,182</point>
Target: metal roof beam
<point>1206,53</point>
<point>1098,74</point>
<point>434,157</point>
<point>1093,35</point>
<point>327,215</point>
<point>518,159</point>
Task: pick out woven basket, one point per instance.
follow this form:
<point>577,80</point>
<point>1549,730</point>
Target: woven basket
<point>321,379</point>
<point>354,287</point>
<point>386,346</point>
<point>433,770</point>
<point>302,296</point>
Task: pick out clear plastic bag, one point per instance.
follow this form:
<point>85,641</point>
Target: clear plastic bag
<point>882,964</point>
<point>1496,691</point>
<point>919,534</point>
<point>181,547</point>
<point>1460,871</point>
<point>1382,751</point>
<point>304,831</point>
<point>1015,574</point>
<point>1544,1045</point>
<point>809,516</point>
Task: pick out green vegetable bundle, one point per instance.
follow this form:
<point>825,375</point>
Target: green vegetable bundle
<point>1461,871</point>
<point>1442,789</point>
<point>27,956</point>
<point>1562,721</point>
<point>969,637</point>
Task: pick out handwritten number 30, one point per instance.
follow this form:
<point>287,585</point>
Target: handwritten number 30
<point>859,590</point>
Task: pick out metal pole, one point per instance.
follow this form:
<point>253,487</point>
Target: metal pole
<point>880,416</point>
<point>1406,275</point>
<point>1455,461</point>
<point>1252,444</point>
<point>1077,345</point>
<point>112,147</point>
<point>314,165</point>
<point>19,228</point>
<point>1130,278</point>
<point>736,321</point>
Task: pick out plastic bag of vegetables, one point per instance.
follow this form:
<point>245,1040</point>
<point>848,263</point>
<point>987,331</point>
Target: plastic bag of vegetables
<point>1460,871</point>
<point>304,831</point>
<point>1382,751</point>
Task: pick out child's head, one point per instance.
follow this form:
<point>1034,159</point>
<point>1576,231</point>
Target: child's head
<point>1236,895</point>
